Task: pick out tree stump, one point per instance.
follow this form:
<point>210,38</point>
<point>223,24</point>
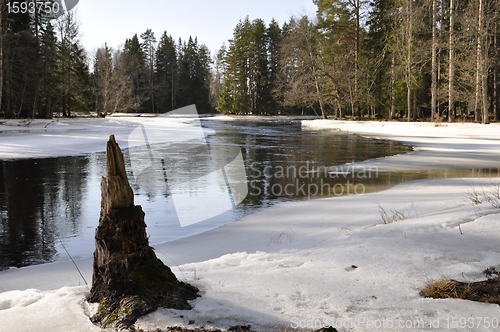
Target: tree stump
<point>128,279</point>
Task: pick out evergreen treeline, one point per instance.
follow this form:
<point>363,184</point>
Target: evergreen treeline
<point>44,70</point>
<point>412,59</point>
<point>407,59</point>
<point>151,76</point>
<point>43,67</point>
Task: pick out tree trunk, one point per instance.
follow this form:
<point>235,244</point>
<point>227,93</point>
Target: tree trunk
<point>484,61</point>
<point>357,9</point>
<point>1,55</point>
<point>318,89</point>
<point>481,112</point>
<point>496,68</point>
<point>408,103</point>
<point>451,66</point>
<point>128,279</point>
<point>479,71</point>
<point>393,86</point>
<point>409,58</point>
<point>415,115</point>
<point>434,61</point>
<point>320,98</point>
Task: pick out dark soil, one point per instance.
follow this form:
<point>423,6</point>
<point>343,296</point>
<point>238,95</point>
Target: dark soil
<point>483,291</point>
<point>487,291</point>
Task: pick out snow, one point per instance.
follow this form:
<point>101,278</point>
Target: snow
<point>308,264</point>
<point>68,137</point>
<point>56,310</point>
<point>437,145</point>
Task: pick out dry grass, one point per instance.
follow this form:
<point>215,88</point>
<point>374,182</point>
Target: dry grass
<point>388,217</point>
<point>277,238</point>
<point>493,196</point>
<point>443,289</point>
<point>487,291</point>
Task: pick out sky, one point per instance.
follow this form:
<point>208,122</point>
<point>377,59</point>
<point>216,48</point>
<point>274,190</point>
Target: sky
<point>213,22</point>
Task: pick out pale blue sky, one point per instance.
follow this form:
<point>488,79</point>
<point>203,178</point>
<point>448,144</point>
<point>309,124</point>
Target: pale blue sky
<point>212,21</point>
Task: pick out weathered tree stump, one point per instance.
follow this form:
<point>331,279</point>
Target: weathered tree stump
<point>128,279</point>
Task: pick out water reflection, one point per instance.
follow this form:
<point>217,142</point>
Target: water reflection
<point>40,200</point>
<point>284,162</point>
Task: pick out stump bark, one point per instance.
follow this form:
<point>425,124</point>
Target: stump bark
<point>128,279</point>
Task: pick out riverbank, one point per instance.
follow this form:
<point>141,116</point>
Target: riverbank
<point>436,145</point>
<point>22,139</point>
<point>355,262</point>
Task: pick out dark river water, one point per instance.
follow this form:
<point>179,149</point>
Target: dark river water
<point>50,206</point>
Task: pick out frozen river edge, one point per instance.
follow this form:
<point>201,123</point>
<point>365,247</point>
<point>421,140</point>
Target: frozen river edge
<point>298,264</point>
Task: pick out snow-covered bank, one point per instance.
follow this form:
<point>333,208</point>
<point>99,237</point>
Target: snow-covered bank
<point>411,131</point>
<point>69,137</point>
<point>333,259</point>
<point>297,264</point>
<point>437,145</point>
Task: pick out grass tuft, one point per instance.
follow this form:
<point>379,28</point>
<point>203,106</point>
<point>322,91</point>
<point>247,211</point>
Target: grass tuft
<point>388,217</point>
<point>444,289</point>
<point>493,197</point>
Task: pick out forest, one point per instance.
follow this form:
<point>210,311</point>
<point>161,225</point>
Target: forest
<point>434,60</point>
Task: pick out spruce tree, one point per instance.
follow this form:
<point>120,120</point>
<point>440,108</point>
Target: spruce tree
<point>48,73</point>
<point>166,73</point>
<point>135,68</point>
<point>194,71</point>
<point>149,50</point>
<point>73,71</point>
<point>377,51</point>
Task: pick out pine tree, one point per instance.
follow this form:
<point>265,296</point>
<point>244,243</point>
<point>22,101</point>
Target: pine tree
<point>251,67</point>
<point>274,35</point>
<point>238,79</point>
<point>194,71</point>
<point>48,77</point>
<point>377,53</point>
<point>135,67</point>
<point>149,50</point>
<point>340,23</point>
<point>102,76</point>
<point>74,76</point>
<point>217,75</point>
<point>166,73</point>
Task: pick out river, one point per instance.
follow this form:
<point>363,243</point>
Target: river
<point>49,208</point>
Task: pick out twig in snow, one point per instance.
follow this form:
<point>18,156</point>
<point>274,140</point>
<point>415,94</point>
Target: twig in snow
<point>81,275</point>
